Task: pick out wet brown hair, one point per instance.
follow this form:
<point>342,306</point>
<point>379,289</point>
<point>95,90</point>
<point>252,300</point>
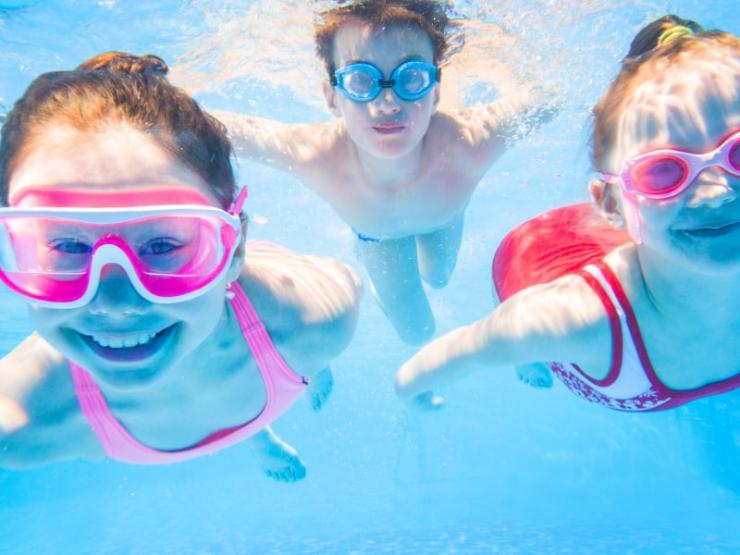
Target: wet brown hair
<point>641,64</point>
<point>120,87</point>
<point>430,16</point>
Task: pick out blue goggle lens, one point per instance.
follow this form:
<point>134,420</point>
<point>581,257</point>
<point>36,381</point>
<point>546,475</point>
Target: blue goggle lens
<point>363,82</point>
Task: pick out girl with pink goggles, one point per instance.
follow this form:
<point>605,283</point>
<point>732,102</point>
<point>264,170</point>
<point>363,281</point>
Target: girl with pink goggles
<point>666,173</point>
<point>53,252</point>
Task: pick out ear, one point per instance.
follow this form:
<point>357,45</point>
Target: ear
<point>437,93</point>
<point>237,262</point>
<point>607,200</point>
<point>330,94</point>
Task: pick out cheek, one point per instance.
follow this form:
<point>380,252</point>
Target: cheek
<point>47,320</point>
<point>419,114</point>
<point>199,315</point>
<point>658,217</point>
<point>355,114</point>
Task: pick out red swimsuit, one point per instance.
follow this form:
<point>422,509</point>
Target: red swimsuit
<point>574,240</point>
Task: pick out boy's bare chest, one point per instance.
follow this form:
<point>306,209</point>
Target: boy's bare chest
<point>418,206</point>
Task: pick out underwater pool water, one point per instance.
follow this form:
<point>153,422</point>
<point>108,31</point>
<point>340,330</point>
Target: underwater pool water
<point>503,468</point>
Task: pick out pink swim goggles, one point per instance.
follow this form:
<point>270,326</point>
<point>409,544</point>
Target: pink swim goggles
<point>54,244</point>
<point>666,173</point>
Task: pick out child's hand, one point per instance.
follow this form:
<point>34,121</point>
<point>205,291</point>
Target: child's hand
<point>407,387</point>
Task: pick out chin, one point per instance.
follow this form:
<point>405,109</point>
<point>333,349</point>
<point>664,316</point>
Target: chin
<point>130,379</point>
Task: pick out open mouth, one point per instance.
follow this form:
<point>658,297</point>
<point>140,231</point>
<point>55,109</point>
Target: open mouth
<point>714,230</point>
<point>127,348</point>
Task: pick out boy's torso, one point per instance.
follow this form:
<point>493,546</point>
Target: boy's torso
<point>431,200</point>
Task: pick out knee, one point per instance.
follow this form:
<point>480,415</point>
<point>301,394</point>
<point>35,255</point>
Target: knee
<point>439,278</point>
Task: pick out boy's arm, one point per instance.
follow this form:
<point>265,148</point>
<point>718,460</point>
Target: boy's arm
<point>292,148</point>
<point>559,321</point>
<point>488,130</point>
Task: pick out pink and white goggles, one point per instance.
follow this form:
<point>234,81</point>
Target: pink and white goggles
<point>54,244</point>
<point>666,173</point>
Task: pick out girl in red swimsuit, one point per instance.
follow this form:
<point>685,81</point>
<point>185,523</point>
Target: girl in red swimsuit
<point>638,310</point>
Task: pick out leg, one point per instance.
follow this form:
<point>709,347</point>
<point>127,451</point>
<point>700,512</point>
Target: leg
<point>277,459</point>
<point>395,281</point>
<point>438,253</point>
<point>319,388</point>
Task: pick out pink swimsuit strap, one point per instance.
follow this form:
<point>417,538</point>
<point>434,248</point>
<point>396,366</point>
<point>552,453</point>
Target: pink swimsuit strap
<point>283,386</point>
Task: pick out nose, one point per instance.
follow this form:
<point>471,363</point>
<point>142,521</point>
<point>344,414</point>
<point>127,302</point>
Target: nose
<point>714,188</point>
<point>116,295</point>
<point>387,102</point>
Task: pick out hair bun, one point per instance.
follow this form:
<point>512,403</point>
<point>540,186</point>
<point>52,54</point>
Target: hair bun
<point>125,63</point>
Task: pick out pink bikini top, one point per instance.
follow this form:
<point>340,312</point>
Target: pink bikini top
<point>283,387</point>
<point>631,384</point>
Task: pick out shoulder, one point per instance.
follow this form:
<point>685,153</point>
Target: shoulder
<point>40,419</point>
<point>309,304</point>
<point>562,320</point>
<point>471,136</point>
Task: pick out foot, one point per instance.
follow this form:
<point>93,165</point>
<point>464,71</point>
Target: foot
<point>319,388</point>
<point>428,401</point>
<point>536,375</point>
<point>277,459</point>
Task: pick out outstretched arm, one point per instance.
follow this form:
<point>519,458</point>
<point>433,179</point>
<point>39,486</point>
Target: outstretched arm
<point>292,148</point>
<point>559,321</point>
<point>488,130</point>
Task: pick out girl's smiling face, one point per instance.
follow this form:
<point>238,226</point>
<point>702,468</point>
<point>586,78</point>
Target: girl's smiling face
<point>124,340</point>
<point>693,106</point>
<point>386,127</point>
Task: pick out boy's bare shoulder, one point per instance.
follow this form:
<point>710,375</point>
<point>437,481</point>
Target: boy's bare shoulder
<point>40,420</point>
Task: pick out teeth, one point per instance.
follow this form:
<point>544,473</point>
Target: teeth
<point>123,341</point>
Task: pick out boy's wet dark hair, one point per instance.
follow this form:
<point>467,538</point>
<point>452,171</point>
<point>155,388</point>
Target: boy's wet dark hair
<point>663,41</point>
<point>430,16</point>
<point>121,87</point>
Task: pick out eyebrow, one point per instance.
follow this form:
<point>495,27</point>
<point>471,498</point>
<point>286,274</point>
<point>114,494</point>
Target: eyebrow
<point>410,58</point>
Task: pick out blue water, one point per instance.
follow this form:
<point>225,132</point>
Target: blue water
<point>504,468</point>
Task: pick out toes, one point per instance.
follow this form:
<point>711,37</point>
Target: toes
<point>320,389</point>
<point>429,401</point>
<point>288,475</point>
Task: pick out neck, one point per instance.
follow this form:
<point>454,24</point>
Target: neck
<point>680,291</point>
<point>390,172</point>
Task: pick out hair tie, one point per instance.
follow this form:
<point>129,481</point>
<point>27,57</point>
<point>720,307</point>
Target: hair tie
<point>673,33</point>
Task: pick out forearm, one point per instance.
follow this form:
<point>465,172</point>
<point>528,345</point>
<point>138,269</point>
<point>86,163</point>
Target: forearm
<point>561,320</point>
<point>254,138</point>
<point>518,114</point>
<point>444,360</point>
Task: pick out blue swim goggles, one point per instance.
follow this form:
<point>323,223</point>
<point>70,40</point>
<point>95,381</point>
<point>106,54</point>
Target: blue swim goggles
<point>363,82</point>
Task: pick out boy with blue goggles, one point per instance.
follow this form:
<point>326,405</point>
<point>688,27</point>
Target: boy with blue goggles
<point>363,82</point>
<point>396,167</point>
